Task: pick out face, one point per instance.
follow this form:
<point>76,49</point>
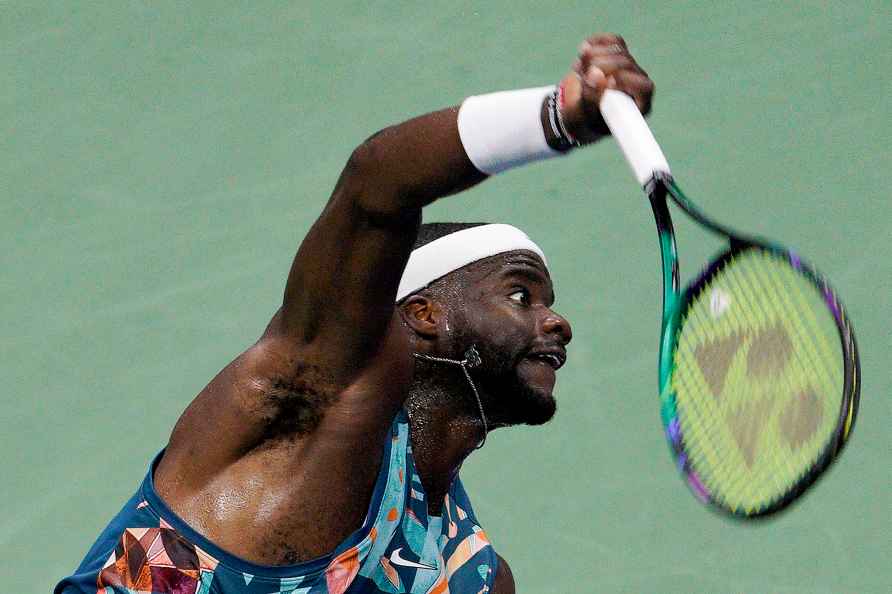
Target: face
<point>505,312</point>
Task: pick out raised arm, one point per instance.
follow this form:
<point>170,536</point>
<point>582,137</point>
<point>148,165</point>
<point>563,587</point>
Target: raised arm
<point>340,292</point>
<point>310,375</point>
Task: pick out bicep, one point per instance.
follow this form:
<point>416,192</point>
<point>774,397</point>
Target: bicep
<point>341,289</point>
<point>340,293</point>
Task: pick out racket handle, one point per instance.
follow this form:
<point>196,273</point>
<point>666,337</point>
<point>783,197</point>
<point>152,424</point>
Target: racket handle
<point>633,136</point>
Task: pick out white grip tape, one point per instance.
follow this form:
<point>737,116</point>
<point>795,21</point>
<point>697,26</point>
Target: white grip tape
<point>503,130</point>
<point>633,135</point>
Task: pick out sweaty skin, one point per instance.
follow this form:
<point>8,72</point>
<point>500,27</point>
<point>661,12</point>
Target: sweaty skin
<point>504,310</point>
<point>276,458</point>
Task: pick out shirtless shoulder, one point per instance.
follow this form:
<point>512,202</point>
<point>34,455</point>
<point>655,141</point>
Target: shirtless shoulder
<point>285,429</point>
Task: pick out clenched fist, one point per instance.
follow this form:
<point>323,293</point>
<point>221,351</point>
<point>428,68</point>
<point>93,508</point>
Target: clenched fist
<point>604,63</point>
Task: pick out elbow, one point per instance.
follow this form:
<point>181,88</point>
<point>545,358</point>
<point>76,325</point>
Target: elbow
<point>366,159</point>
<point>373,184</point>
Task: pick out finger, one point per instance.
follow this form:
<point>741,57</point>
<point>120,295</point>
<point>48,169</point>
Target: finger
<point>639,87</point>
<point>585,49</point>
<point>605,50</point>
<point>594,83</point>
<point>607,39</point>
<point>610,63</point>
<point>607,59</point>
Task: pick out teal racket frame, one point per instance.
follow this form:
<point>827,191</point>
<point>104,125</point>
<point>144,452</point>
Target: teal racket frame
<point>675,304</point>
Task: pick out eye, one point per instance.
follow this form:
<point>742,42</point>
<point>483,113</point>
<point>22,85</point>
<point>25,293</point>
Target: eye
<point>520,296</point>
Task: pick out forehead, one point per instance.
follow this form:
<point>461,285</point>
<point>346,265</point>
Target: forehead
<point>515,263</point>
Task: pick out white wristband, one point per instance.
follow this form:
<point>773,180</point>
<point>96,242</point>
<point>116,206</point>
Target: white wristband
<point>504,130</point>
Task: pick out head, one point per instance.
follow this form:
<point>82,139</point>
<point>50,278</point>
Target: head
<point>500,305</point>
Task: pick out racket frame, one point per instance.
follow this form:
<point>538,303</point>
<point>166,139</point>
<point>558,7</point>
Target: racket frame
<point>676,303</point>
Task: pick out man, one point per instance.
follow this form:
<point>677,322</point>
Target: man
<point>325,458</point>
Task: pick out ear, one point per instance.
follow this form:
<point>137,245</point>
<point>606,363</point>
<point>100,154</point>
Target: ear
<point>423,315</point>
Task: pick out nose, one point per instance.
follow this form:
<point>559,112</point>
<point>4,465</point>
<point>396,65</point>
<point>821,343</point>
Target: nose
<point>554,323</point>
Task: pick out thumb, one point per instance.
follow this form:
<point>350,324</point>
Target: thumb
<point>594,82</point>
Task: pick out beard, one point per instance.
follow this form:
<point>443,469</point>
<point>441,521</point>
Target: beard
<point>508,397</point>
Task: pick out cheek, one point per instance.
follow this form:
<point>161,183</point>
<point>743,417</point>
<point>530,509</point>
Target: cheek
<point>505,329</point>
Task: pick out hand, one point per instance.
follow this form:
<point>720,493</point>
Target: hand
<point>604,63</point>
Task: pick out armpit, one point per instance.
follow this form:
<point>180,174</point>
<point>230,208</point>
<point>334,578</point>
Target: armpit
<point>293,405</point>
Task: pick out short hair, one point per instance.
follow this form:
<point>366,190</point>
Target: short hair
<point>428,232</point>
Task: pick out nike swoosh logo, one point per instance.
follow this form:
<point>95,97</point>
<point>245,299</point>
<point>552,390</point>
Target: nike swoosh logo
<point>396,559</point>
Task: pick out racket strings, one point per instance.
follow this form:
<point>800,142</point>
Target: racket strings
<point>771,360</point>
<point>814,332</point>
<point>746,437</point>
<point>781,289</point>
<point>758,380</point>
<point>772,349</point>
<point>759,408</point>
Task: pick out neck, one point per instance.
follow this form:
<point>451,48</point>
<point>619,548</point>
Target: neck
<point>444,425</point>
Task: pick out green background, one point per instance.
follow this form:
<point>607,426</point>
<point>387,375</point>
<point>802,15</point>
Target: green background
<point>160,162</point>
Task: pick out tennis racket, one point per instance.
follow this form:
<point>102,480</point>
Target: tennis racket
<point>758,368</point>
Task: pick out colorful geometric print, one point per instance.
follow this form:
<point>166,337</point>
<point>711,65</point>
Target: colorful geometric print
<point>400,549</point>
<point>156,560</point>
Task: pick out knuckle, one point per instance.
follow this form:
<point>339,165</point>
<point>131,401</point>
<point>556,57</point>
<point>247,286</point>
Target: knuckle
<point>612,38</point>
<point>618,64</point>
<point>622,81</point>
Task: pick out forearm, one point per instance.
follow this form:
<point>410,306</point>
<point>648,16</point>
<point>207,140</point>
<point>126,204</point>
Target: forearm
<point>409,165</point>
<point>345,275</point>
<point>435,155</point>
<point>362,240</point>
<point>348,266</point>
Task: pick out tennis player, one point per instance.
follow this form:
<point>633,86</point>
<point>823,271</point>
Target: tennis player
<point>325,458</point>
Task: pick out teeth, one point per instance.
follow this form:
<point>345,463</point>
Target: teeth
<point>552,360</point>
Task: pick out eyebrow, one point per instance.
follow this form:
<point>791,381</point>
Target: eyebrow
<point>523,258</point>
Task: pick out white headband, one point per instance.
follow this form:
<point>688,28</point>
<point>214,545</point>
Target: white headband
<point>450,252</point>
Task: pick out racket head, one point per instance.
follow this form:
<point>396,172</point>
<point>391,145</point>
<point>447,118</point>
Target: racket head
<point>759,379</point>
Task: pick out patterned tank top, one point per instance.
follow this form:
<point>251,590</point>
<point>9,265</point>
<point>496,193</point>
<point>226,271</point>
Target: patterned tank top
<point>147,548</point>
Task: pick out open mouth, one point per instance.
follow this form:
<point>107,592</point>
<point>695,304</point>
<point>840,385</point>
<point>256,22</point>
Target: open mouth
<point>554,359</point>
